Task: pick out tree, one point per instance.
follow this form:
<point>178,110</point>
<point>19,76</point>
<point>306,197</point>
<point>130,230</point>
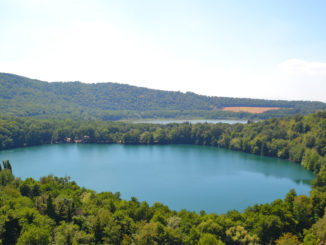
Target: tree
<point>147,234</point>
<point>6,177</point>
<point>239,235</point>
<point>288,239</point>
<point>209,239</point>
<point>312,160</point>
<point>34,235</point>
<point>7,165</point>
<point>318,231</point>
<point>50,209</point>
<point>289,199</point>
<point>303,212</point>
<point>12,229</point>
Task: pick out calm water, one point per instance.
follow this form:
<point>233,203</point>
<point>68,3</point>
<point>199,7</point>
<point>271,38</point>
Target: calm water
<point>191,177</point>
<point>192,121</point>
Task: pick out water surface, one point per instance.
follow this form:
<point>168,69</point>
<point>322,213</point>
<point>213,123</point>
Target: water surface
<point>181,176</point>
<point>192,121</point>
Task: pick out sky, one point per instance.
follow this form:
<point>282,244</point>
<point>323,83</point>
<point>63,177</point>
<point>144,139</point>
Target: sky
<point>257,49</point>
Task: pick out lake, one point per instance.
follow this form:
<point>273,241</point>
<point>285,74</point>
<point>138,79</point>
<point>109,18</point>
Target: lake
<point>192,121</point>
<point>180,176</point>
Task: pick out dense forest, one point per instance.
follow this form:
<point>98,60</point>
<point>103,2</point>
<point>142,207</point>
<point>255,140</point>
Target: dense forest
<point>56,210</point>
<point>297,138</point>
<point>20,96</point>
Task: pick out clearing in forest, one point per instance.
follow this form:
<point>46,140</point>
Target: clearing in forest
<point>249,109</point>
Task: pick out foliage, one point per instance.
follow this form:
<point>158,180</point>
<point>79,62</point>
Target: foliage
<point>81,216</point>
<point>298,139</point>
<point>20,96</point>
<point>288,239</point>
<point>58,210</point>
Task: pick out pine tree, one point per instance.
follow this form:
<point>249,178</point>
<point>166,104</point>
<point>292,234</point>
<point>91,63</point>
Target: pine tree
<point>4,164</point>
<point>7,165</point>
<point>50,209</point>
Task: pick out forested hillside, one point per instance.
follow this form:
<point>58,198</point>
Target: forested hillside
<point>20,96</point>
<point>300,139</point>
<point>57,210</point>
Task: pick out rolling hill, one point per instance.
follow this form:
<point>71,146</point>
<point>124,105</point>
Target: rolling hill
<point>21,96</point>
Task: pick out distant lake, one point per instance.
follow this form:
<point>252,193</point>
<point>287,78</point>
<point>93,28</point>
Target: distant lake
<point>192,121</point>
<point>180,176</point>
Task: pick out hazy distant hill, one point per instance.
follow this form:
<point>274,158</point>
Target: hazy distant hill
<point>21,96</point>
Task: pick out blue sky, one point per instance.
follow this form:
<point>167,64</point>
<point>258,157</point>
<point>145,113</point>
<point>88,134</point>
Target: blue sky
<point>259,49</point>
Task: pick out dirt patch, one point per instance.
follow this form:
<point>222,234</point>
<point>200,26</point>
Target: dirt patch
<point>250,109</point>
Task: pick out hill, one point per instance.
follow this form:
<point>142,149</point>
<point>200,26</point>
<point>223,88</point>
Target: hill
<point>21,96</point>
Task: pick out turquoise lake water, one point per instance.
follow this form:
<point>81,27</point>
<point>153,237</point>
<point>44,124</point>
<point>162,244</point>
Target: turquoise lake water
<point>180,176</point>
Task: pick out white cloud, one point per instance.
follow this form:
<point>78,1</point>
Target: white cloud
<point>304,80</point>
<point>301,67</point>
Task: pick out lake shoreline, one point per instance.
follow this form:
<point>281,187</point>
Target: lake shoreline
<point>150,166</point>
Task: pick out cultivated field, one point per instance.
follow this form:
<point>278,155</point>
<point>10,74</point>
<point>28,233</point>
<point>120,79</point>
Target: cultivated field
<point>250,109</point>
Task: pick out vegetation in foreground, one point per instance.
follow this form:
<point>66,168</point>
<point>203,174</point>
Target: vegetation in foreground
<point>56,210</point>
